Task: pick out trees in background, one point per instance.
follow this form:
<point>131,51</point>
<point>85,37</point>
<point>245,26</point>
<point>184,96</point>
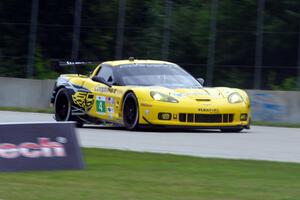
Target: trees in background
<point>143,37</point>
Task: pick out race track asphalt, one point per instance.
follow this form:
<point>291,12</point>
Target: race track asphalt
<point>258,143</point>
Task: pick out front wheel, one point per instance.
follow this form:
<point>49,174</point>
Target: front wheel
<point>130,112</point>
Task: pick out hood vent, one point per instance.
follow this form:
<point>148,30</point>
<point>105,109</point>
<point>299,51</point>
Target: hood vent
<point>203,99</point>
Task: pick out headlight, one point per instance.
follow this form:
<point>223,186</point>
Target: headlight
<point>163,97</point>
<point>235,98</point>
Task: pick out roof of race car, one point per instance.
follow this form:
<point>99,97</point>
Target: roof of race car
<point>134,61</point>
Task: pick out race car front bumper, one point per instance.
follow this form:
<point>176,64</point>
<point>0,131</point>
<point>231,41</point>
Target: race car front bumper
<point>195,116</point>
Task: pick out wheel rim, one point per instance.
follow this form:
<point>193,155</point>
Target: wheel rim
<point>130,112</point>
<point>62,107</point>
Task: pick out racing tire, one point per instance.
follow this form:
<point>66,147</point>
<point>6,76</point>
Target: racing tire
<point>62,107</point>
<point>231,130</point>
<point>130,112</point>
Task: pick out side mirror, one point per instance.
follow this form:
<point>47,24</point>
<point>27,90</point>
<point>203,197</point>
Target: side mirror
<point>101,80</point>
<point>200,80</point>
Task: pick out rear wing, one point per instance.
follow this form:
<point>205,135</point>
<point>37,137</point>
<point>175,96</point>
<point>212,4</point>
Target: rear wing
<point>68,63</point>
<point>58,65</point>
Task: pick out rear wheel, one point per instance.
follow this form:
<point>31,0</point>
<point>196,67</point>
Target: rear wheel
<point>231,130</point>
<point>130,112</point>
<point>62,106</point>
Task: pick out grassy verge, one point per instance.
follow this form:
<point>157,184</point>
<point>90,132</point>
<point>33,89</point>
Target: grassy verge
<point>113,174</point>
<point>50,110</point>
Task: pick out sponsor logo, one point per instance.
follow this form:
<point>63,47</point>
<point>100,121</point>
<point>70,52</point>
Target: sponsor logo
<point>146,105</point>
<point>110,100</point>
<point>102,89</point>
<point>79,98</point>
<point>84,100</point>
<point>44,148</point>
<point>212,110</point>
<point>147,112</point>
<point>177,94</point>
<point>110,109</point>
<point>197,93</point>
<point>110,116</point>
<point>101,105</point>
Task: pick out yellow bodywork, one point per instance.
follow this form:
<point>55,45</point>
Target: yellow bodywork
<point>106,102</point>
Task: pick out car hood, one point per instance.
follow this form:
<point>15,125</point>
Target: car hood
<point>195,93</point>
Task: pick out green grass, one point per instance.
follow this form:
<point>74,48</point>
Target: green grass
<point>112,174</point>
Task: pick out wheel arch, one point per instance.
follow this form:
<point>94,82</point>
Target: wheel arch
<point>69,90</point>
<point>123,98</point>
<point>54,93</point>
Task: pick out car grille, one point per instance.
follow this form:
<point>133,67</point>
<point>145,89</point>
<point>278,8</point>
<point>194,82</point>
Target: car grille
<point>206,118</point>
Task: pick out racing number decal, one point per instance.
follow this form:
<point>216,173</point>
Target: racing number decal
<point>101,105</point>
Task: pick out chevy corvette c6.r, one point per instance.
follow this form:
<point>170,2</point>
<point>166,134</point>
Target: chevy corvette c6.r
<point>138,93</point>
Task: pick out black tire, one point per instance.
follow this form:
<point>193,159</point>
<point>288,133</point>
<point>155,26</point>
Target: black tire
<point>62,107</point>
<point>231,130</point>
<point>130,112</point>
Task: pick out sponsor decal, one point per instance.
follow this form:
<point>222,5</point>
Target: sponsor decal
<point>43,148</point>
<point>196,93</point>
<point>83,100</point>
<point>146,105</point>
<point>99,88</point>
<point>39,146</point>
<point>110,100</point>
<point>110,109</point>
<point>101,105</point>
<point>79,99</point>
<point>110,116</point>
<point>147,112</point>
<point>89,101</point>
<point>212,110</point>
<point>177,95</point>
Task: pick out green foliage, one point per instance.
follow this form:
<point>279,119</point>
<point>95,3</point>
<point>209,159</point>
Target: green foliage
<point>42,67</point>
<point>287,84</point>
<point>143,36</point>
<point>233,78</point>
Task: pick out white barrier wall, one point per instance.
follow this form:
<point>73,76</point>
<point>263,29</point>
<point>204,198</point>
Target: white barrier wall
<point>273,106</point>
<point>26,93</point>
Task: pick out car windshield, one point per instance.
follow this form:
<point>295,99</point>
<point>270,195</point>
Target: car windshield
<point>166,75</point>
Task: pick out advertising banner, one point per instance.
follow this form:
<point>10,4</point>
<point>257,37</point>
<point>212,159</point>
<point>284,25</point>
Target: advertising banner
<point>39,146</point>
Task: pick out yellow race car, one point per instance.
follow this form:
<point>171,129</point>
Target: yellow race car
<point>148,93</point>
